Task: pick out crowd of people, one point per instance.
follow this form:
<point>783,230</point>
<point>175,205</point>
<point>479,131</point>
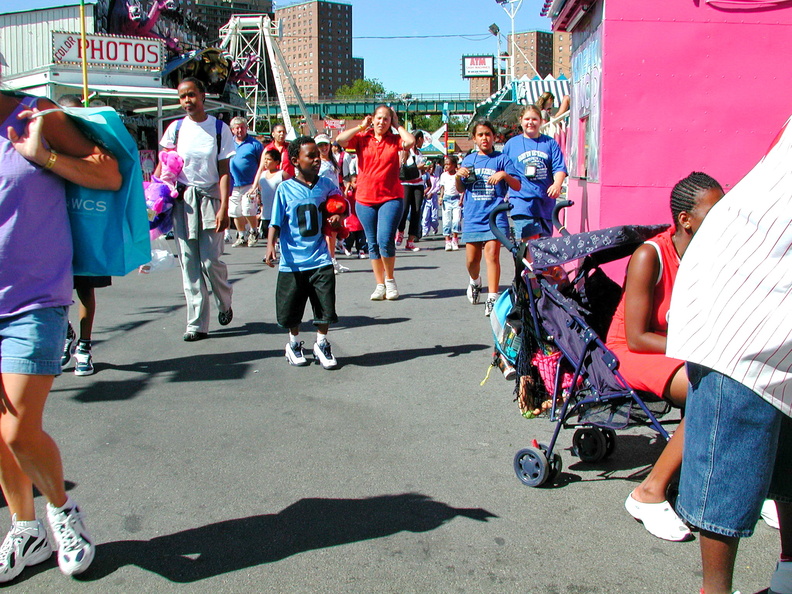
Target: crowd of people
<point>311,198</point>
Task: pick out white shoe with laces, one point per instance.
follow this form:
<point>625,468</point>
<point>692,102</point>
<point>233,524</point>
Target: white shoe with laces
<point>391,290</point>
<point>474,291</point>
<point>379,293</point>
<point>324,354</point>
<point>489,305</point>
<point>295,355</point>
<point>75,547</point>
<point>23,546</point>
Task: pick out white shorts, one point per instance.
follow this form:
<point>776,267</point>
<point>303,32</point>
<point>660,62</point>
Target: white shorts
<point>239,205</point>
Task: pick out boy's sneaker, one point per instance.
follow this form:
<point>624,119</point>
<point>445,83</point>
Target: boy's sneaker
<point>75,546</point>
<point>379,293</point>
<point>399,238</point>
<point>454,244</point>
<point>338,268</point>
<point>474,291</point>
<point>23,547</point>
<point>69,347</point>
<point>239,242</point>
<point>227,237</point>
<point>490,304</point>
<point>448,246</point>
<point>224,317</point>
<point>324,354</point>
<point>83,362</point>
<point>362,255</point>
<point>253,238</point>
<point>295,355</point>
<point>411,247</point>
<point>391,291</point>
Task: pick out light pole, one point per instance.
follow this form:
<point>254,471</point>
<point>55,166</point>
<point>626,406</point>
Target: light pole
<point>511,7</point>
<point>495,30</point>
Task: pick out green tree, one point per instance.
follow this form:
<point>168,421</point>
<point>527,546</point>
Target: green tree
<point>368,88</point>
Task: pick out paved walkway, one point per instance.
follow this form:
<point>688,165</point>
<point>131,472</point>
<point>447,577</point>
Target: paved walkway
<point>217,467</point>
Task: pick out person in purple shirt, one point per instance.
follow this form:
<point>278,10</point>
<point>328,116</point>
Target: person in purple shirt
<point>38,153</point>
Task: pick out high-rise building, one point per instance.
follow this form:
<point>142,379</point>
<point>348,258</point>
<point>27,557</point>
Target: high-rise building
<point>317,46</point>
<point>538,52</point>
<point>216,13</point>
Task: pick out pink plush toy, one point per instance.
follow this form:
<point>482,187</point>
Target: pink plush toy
<point>172,165</point>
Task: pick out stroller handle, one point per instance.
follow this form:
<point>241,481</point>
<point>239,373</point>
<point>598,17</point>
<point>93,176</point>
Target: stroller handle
<point>500,235</point>
<point>560,205</point>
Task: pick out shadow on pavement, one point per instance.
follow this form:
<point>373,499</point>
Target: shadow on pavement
<point>309,524</point>
<point>347,322</point>
<point>401,355</point>
<point>204,367</point>
<point>439,294</point>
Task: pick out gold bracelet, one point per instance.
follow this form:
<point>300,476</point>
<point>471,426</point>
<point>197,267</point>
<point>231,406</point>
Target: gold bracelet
<point>51,161</point>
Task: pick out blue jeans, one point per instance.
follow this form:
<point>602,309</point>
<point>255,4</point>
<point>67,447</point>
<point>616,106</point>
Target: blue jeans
<point>452,214</point>
<point>31,343</point>
<point>525,227</point>
<point>380,222</point>
<point>729,464</point>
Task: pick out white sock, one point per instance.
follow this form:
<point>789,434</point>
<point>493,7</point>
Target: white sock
<point>294,338</point>
<point>66,506</point>
<point>492,296</point>
<point>27,524</point>
<point>475,281</point>
<point>321,338</point>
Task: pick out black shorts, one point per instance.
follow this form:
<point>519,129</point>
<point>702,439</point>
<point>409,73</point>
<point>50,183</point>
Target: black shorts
<point>293,291</point>
<point>91,282</point>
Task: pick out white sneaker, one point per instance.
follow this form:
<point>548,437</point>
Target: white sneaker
<point>391,291</point>
<point>239,242</point>
<point>23,547</point>
<point>253,238</point>
<point>75,546</point>
<point>324,354</point>
<point>448,247</point>
<point>770,513</point>
<point>339,268</point>
<point>379,293</point>
<point>295,355</point>
<point>454,244</point>
<point>658,519</point>
<point>474,291</point>
<point>490,304</point>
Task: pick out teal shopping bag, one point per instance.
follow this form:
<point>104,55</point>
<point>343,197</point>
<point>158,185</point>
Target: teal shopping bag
<point>110,230</point>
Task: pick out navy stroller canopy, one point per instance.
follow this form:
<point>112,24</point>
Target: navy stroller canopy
<point>601,246</point>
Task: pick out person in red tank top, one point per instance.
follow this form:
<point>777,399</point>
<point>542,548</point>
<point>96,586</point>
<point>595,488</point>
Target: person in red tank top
<point>638,337</point>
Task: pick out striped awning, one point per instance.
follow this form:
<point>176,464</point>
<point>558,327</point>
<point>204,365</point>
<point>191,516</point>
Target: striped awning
<point>528,90</point>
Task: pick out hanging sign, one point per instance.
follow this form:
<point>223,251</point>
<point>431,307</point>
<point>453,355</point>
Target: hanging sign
<point>109,51</point>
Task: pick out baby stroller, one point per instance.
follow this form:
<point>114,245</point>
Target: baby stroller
<point>562,320</point>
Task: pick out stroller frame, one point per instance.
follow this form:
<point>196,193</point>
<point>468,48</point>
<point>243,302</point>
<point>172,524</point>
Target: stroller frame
<point>596,382</point>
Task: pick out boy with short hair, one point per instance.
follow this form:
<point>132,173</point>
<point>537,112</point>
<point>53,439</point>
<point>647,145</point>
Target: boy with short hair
<point>305,271</point>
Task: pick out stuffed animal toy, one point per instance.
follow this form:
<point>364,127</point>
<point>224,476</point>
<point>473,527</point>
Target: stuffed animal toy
<point>335,205</point>
<point>161,193</point>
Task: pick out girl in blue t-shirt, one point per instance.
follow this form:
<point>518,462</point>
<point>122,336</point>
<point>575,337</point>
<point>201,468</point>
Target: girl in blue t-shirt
<point>485,177</point>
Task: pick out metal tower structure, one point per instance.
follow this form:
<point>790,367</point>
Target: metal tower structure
<point>252,40</point>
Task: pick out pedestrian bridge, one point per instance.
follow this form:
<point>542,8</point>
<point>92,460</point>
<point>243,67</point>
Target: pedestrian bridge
<point>359,107</point>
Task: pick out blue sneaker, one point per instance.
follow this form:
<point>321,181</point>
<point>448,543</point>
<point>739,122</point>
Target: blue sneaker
<point>83,362</point>
<point>69,347</point>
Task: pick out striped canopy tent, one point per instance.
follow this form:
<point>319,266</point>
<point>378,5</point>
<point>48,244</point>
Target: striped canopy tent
<point>503,107</point>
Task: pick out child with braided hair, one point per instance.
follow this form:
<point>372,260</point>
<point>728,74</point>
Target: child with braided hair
<point>638,337</point>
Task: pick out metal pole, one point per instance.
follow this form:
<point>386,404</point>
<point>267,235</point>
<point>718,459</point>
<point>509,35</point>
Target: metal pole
<point>84,42</point>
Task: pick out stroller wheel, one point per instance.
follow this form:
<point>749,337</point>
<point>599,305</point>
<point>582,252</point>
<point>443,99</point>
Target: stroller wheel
<point>556,463</point>
<point>531,466</point>
<point>590,444</point>
<point>610,441</point>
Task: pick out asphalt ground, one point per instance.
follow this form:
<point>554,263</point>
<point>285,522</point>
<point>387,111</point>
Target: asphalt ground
<point>214,466</point>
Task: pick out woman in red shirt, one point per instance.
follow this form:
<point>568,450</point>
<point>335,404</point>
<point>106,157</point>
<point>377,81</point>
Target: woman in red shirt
<point>379,193</point>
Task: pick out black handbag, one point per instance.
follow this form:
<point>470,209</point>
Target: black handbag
<point>409,172</point>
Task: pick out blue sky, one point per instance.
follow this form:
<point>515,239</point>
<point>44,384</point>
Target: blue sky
<point>430,65</point>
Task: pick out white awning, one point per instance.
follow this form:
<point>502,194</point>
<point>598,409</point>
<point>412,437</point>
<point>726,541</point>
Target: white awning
<point>126,91</point>
<point>527,91</point>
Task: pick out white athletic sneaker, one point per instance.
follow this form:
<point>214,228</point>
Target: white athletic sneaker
<point>391,291</point>
<point>324,354</point>
<point>490,304</point>
<point>339,268</point>
<point>448,246</point>
<point>75,546</point>
<point>239,242</point>
<point>454,244</point>
<point>295,355</point>
<point>23,547</point>
<point>379,293</point>
<point>474,291</point>
<point>770,513</point>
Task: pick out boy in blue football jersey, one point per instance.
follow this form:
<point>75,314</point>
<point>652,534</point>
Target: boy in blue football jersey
<point>305,271</point>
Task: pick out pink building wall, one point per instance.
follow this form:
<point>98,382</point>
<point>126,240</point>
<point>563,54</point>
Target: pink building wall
<point>685,85</point>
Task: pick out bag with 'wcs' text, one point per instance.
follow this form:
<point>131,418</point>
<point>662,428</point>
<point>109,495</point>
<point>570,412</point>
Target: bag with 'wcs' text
<point>110,230</point>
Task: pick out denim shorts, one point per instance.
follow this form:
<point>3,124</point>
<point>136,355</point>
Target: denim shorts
<point>481,236</point>
<point>526,227</point>
<point>31,343</point>
<point>729,465</point>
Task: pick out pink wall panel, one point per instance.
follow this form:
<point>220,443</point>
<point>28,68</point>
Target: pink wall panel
<point>696,10</point>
